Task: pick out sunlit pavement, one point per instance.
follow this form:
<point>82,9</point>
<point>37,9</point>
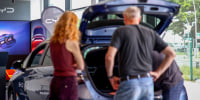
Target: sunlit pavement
<point>193,90</point>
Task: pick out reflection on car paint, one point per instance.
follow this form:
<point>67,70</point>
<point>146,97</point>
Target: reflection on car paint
<point>20,84</point>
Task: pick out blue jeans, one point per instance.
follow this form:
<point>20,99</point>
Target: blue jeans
<point>135,89</point>
<point>178,92</point>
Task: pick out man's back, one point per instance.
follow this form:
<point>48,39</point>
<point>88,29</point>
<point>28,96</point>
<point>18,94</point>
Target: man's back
<point>170,77</point>
<point>135,44</point>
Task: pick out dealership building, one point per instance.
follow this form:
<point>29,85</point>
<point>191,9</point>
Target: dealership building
<point>26,26</point>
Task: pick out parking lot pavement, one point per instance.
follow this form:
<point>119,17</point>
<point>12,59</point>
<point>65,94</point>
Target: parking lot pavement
<point>193,90</point>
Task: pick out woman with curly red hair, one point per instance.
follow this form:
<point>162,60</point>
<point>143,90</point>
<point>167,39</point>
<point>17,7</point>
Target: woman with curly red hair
<point>66,57</point>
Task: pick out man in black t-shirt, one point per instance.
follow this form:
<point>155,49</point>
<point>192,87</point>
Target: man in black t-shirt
<point>171,81</point>
<point>134,44</point>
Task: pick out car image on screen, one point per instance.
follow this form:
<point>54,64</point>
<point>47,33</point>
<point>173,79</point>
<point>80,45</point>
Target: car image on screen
<point>15,37</point>
<point>38,36</point>
<point>5,39</point>
<point>38,33</point>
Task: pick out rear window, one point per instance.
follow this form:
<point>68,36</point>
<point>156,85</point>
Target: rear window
<point>117,19</point>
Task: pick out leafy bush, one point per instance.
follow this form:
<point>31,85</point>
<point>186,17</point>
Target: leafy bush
<point>187,72</point>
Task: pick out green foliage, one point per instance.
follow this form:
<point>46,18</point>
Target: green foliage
<point>186,16</point>
<point>79,22</point>
<point>180,53</point>
<point>187,73</point>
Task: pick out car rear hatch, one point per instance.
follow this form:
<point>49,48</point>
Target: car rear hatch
<point>99,21</point>
<point>97,26</point>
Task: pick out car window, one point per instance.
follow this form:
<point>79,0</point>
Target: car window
<point>36,59</point>
<point>47,59</point>
<point>117,19</point>
<point>42,57</point>
<point>35,56</point>
<point>150,21</point>
<point>108,17</point>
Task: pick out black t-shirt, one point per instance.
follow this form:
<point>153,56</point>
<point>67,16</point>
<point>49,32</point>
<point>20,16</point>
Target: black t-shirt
<point>135,44</point>
<point>170,77</point>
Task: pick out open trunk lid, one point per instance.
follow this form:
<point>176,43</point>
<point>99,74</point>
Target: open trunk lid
<point>99,21</point>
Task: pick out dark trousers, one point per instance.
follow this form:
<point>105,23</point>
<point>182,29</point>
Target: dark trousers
<point>178,92</point>
<point>64,88</point>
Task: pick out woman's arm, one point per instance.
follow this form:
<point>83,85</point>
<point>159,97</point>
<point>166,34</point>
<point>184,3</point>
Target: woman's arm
<point>73,47</point>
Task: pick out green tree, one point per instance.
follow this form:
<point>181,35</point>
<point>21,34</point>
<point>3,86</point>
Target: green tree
<point>186,16</point>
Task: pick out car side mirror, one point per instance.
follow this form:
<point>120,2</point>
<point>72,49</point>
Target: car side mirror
<point>18,64</point>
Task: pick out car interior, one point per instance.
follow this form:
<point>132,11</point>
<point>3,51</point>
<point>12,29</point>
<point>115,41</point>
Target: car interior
<point>95,61</point>
<point>117,20</point>
<point>95,66</point>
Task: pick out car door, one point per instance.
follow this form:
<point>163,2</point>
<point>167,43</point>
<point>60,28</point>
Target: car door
<point>34,81</point>
<point>39,74</point>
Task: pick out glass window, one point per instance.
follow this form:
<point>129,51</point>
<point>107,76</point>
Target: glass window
<point>47,59</point>
<point>117,19</point>
<point>36,8</point>
<point>79,3</point>
<point>57,3</point>
<point>79,13</point>
<point>36,59</point>
<point>36,55</point>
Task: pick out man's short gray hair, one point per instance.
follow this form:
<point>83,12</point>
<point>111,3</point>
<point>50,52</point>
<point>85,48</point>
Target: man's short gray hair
<point>132,12</point>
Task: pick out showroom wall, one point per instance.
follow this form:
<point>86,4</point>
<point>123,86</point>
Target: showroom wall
<point>13,15</point>
<point>15,10</point>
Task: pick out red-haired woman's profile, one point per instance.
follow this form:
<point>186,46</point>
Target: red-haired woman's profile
<point>66,57</point>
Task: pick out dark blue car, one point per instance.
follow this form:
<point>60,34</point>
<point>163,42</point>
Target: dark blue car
<point>31,81</point>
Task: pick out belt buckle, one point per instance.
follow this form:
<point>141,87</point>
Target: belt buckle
<point>138,76</point>
<point>148,74</point>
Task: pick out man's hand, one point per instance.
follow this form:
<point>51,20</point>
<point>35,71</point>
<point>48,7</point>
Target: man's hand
<point>155,75</point>
<point>114,82</point>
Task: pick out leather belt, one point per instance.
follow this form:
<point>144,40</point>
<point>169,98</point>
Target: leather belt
<point>134,77</point>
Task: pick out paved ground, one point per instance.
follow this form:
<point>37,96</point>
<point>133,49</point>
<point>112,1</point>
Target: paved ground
<point>193,90</point>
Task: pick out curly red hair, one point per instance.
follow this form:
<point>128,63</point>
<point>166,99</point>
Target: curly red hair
<point>66,28</point>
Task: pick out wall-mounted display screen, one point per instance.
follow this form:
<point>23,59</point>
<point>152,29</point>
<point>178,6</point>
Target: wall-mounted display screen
<point>15,37</point>
<point>38,33</point>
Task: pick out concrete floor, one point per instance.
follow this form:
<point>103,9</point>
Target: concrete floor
<point>193,90</point>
